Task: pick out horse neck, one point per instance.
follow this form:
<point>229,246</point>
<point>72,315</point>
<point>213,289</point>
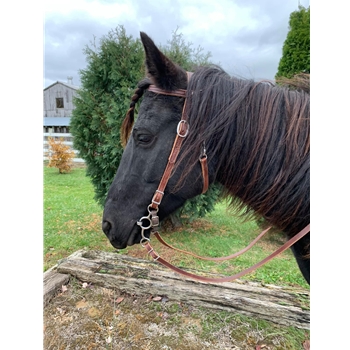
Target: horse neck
<point>263,151</point>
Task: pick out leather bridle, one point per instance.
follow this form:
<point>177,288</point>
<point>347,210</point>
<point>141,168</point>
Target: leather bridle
<point>151,221</point>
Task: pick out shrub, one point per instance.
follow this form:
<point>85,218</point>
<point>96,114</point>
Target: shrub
<point>60,155</point>
<point>296,48</point>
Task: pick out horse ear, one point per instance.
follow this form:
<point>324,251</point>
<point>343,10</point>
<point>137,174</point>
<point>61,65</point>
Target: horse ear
<point>160,69</point>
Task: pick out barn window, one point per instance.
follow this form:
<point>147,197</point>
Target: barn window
<point>59,102</point>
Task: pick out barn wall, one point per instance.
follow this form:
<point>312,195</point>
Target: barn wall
<point>56,91</point>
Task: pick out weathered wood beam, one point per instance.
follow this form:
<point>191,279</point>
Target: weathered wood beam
<point>285,306</point>
<point>53,282</point>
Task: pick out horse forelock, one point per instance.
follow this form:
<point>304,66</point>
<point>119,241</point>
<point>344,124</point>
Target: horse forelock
<point>258,133</point>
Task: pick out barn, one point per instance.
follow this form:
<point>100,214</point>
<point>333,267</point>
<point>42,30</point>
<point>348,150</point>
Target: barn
<point>58,106</point>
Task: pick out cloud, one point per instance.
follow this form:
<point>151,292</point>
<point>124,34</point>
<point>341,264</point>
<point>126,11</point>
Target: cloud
<point>244,36</point>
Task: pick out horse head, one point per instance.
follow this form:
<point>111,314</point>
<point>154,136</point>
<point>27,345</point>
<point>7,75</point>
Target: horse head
<point>146,153</point>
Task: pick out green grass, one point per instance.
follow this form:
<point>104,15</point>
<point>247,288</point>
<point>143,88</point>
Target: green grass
<point>72,221</point>
<point>222,233</point>
<point>72,218</point>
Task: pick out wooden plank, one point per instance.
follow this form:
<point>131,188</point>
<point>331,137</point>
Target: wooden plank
<point>283,306</point>
<point>68,143</point>
<point>53,282</point>
<point>57,134</point>
<point>75,160</point>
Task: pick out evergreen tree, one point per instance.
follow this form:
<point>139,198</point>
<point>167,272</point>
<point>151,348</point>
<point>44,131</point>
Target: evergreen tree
<point>115,66</point>
<point>113,70</point>
<point>184,54</point>
<point>296,48</point>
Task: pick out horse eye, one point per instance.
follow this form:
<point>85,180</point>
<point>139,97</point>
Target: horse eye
<point>144,138</point>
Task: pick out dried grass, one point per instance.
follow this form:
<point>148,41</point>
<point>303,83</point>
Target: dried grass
<point>99,318</point>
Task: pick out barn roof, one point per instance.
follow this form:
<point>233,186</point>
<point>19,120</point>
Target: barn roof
<point>74,87</point>
<point>56,121</point>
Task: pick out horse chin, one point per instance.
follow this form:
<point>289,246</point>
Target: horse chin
<point>132,239</point>
<point>135,236</point>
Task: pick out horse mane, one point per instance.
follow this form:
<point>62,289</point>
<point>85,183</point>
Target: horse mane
<point>259,135</point>
<point>300,82</point>
<point>258,132</point>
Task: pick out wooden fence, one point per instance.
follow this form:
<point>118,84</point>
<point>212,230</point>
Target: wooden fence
<point>67,140</point>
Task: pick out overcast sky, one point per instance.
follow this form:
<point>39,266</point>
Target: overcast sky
<point>245,37</point>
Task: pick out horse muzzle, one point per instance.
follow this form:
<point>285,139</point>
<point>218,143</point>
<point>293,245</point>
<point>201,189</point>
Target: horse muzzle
<point>121,241</point>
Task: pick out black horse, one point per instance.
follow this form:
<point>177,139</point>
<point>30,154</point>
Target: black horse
<point>256,135</point>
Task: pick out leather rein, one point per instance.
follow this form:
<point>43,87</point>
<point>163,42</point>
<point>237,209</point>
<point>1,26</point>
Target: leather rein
<point>151,221</point>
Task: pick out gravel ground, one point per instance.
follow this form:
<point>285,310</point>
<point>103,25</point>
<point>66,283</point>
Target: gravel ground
<point>84,316</point>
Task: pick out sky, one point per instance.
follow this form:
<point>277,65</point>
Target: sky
<point>245,37</point>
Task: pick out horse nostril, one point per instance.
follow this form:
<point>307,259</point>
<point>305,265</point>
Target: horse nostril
<point>106,227</point>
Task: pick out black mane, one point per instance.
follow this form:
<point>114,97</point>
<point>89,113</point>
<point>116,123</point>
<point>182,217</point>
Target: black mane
<point>259,133</point>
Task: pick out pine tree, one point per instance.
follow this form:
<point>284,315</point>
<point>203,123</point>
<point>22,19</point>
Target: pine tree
<point>296,48</point>
<point>114,68</point>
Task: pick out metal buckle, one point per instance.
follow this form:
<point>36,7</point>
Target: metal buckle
<point>155,202</point>
<point>204,152</point>
<point>153,251</point>
<point>182,121</point>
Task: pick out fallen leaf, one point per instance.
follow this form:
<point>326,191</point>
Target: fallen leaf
<point>81,304</point>
<point>306,345</point>
<point>94,312</point>
<point>117,312</point>
<point>61,311</point>
<point>119,300</point>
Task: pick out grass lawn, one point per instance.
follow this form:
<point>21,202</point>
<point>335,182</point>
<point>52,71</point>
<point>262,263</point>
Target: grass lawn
<point>72,218</point>
<point>72,221</point>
